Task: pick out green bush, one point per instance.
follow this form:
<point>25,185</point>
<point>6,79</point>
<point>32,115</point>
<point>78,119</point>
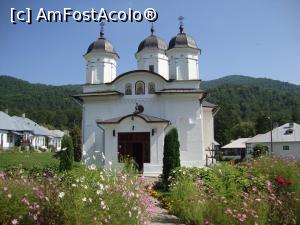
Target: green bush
<point>66,154</point>
<point>259,150</point>
<point>185,201</point>
<point>171,158</point>
<point>260,191</point>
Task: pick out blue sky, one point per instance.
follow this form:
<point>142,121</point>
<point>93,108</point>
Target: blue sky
<point>259,38</point>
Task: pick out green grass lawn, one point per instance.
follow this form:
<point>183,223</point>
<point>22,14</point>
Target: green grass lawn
<point>28,160</point>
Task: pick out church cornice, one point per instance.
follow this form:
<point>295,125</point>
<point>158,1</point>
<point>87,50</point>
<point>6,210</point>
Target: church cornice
<point>97,94</point>
<point>138,71</point>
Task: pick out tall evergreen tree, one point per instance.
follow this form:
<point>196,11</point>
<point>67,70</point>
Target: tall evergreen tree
<point>75,134</point>
<point>171,158</point>
<point>67,154</point>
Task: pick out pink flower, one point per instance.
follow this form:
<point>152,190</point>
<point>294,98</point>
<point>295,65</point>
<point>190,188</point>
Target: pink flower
<point>2,176</point>
<point>14,221</point>
<point>24,200</point>
<point>269,186</point>
<point>228,210</point>
<point>242,218</point>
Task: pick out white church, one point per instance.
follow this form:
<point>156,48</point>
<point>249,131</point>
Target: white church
<point>129,115</point>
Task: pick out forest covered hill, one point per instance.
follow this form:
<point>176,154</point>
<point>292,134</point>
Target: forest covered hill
<point>245,104</point>
<point>46,104</point>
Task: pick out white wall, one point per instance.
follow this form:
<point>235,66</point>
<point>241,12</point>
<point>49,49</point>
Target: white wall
<point>39,142</point>
<point>183,63</point>
<point>294,148</point>
<point>159,59</point>
<point>184,113</point>
<point>56,143</point>
<point>208,127</point>
<point>208,131</point>
<point>5,140</point>
<point>100,68</point>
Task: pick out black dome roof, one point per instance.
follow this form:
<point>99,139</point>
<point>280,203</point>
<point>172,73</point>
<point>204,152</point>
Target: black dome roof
<point>102,45</point>
<point>182,40</point>
<point>152,42</point>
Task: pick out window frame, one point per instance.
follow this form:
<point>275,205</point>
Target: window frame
<point>143,87</point>
<point>285,147</point>
<point>128,85</point>
<point>151,68</point>
<point>154,88</point>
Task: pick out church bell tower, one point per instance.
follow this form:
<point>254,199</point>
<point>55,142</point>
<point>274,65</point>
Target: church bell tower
<point>101,60</point>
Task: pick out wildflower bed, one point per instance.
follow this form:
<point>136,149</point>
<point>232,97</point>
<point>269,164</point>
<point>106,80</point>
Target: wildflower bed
<point>262,191</point>
<point>80,196</point>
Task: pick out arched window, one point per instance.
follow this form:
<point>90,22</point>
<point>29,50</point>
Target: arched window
<point>139,88</point>
<point>128,89</point>
<point>151,88</point>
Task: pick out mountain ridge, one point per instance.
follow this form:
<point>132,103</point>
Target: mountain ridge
<point>244,101</point>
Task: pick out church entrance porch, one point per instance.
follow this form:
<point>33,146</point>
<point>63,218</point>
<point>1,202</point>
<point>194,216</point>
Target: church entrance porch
<point>135,146</point>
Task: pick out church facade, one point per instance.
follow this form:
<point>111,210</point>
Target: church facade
<point>129,115</point>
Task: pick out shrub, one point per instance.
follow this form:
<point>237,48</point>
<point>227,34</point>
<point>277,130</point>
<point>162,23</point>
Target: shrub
<point>259,150</point>
<point>171,158</point>
<point>67,154</point>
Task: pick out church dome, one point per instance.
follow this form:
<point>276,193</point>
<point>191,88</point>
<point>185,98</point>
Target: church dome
<point>152,42</point>
<point>182,40</point>
<point>101,45</point>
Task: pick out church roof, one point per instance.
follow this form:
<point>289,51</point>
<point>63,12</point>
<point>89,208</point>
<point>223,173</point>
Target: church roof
<point>208,104</point>
<point>180,90</point>
<point>147,118</point>
<point>97,94</point>
<point>102,45</point>
<point>238,143</point>
<point>182,40</point>
<point>152,42</point>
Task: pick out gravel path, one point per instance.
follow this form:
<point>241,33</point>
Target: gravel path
<point>162,217</point>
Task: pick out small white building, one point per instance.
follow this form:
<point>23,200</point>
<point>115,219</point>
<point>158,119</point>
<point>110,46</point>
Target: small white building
<point>130,114</point>
<point>27,132</point>
<point>55,139</point>
<point>236,149</point>
<point>37,134</point>
<point>9,131</point>
<point>285,140</point>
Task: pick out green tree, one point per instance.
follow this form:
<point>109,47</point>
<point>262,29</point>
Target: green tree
<point>243,129</point>
<point>171,158</point>
<point>262,123</point>
<point>75,134</point>
<point>67,154</point>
